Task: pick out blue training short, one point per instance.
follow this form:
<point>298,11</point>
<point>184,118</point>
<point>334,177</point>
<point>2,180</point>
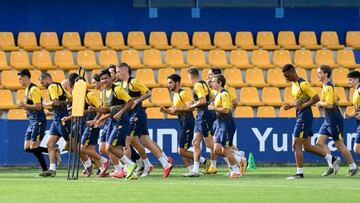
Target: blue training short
<point>35,130</point>
<point>60,130</point>
<point>118,130</point>
<point>90,136</point>
<point>334,131</point>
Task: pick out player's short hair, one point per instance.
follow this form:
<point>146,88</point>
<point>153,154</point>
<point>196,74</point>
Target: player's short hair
<point>221,79</point>
<point>96,77</point>
<point>194,71</point>
<point>105,72</point>
<point>354,74</point>
<point>73,78</point>
<point>45,75</point>
<point>125,65</point>
<point>112,66</point>
<point>288,67</point>
<point>326,69</point>
<point>174,77</point>
<point>24,72</point>
<point>215,70</point>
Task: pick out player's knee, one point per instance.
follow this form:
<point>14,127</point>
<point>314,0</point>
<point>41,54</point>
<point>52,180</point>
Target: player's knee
<point>83,148</point>
<point>108,148</point>
<point>357,148</point>
<point>307,147</point>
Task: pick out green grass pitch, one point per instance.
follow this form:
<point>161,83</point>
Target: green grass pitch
<point>265,184</point>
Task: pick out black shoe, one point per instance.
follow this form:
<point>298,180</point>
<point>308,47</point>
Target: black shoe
<point>48,173</point>
<point>353,172</point>
<point>328,172</point>
<point>88,171</point>
<point>98,171</point>
<point>296,176</point>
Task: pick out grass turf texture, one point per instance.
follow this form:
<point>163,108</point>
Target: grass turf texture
<point>266,184</point>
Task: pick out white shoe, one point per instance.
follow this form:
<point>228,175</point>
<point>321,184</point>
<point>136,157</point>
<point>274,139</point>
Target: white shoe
<point>336,165</point>
<point>147,171</point>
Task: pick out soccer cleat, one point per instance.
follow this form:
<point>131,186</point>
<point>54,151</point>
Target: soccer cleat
<point>104,167</point>
<point>336,165</point>
<point>130,170</point>
<point>353,172</point>
<point>88,172</point>
<point>58,156</point>
<point>296,176</point>
<point>328,172</point>
<point>167,171</point>
<point>83,172</point>
<point>147,171</point>
<point>132,177</point>
<point>191,174</point>
<point>206,166</point>
<point>212,170</point>
<point>234,174</point>
<point>48,173</point>
<point>120,174</point>
<point>243,164</point>
<point>98,172</point>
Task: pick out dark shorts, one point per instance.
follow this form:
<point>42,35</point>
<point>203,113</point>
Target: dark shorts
<point>186,133</point>
<point>138,123</point>
<point>118,130</point>
<point>90,136</point>
<point>35,131</point>
<point>103,131</point>
<point>204,123</point>
<point>60,130</point>
<point>303,130</point>
<point>357,139</point>
<point>222,132</point>
<point>334,131</point>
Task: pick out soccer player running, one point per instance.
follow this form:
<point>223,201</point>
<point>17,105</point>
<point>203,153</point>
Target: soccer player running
<point>354,81</point>
<point>35,132</point>
<point>203,121</point>
<point>138,120</point>
<point>223,125</point>
<point>333,125</point>
<point>59,100</point>
<point>116,102</point>
<point>305,96</point>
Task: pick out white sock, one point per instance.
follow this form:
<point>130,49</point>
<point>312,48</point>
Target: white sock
<point>227,161</point>
<point>120,163</point>
<point>118,167</point>
<point>352,166</point>
<point>126,160</point>
<point>190,168</point>
<point>196,167</point>
<point>328,158</point>
<point>147,163</point>
<point>103,160</point>
<point>164,155</point>
<point>202,160</point>
<point>299,170</point>
<point>235,168</point>
<point>164,162</point>
<point>237,158</point>
<point>88,163</point>
<point>52,167</point>
<point>239,153</point>
<point>213,163</point>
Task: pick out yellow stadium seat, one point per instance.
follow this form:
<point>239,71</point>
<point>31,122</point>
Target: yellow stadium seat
<point>136,40</point>
<point>291,113</point>
<point>45,95</point>
<point>315,111</point>
<point>132,58</point>
<point>108,57</point>
<point>302,73</point>
<point>20,95</point>
<point>201,40</point>
<point>281,58</point>
<point>223,40</point>
<point>16,114</point>
<point>245,41</point>
<point>261,59</point>
<point>6,101</point>
<point>180,40</point>
<point>343,100</point>
<point>174,58</point>
<point>115,41</point>
<point>93,41</point>
<point>254,77</point>
<point>232,91</point>
<point>266,41</point>
<point>308,40</point>
<point>244,112</point>
<point>87,78</point>
<point>346,59</point>
<point>154,113</point>
<point>339,77</point>
<point>20,60</point>
<point>71,41</point>
<point>266,112</point>
<point>240,59</point>
<point>330,40</point>
<point>3,62</point>
<point>27,41</point>
<point>185,82</point>
<point>146,76</point>
<point>288,98</point>
<point>276,78</point>
<point>87,59</point>
<point>158,40</point>
<point>163,74</point>
<point>303,59</point>
<point>234,77</point>
<point>50,41</point>
<point>249,96</point>
<point>325,57</point>
<point>314,79</point>
<point>350,109</point>
<point>271,96</point>
<point>286,40</point>
<point>352,39</point>
<point>57,75</point>
<point>146,103</point>
<point>160,96</point>
<point>7,42</point>
<point>152,59</point>
<point>217,58</point>
<point>35,77</point>
<point>42,60</point>
<point>196,58</point>
<point>205,74</point>
<point>64,60</point>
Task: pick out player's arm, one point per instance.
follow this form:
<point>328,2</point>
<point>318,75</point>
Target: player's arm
<point>309,91</point>
<point>186,98</point>
<point>226,105</point>
<point>167,110</point>
<point>327,97</point>
<point>54,96</point>
<point>36,98</point>
<point>200,92</point>
<point>121,94</point>
<point>145,92</point>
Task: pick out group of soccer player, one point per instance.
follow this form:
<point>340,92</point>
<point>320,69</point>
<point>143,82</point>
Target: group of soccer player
<point>116,121</point>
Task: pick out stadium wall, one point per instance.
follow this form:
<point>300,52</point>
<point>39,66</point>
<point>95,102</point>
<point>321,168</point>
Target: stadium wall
<point>268,139</point>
